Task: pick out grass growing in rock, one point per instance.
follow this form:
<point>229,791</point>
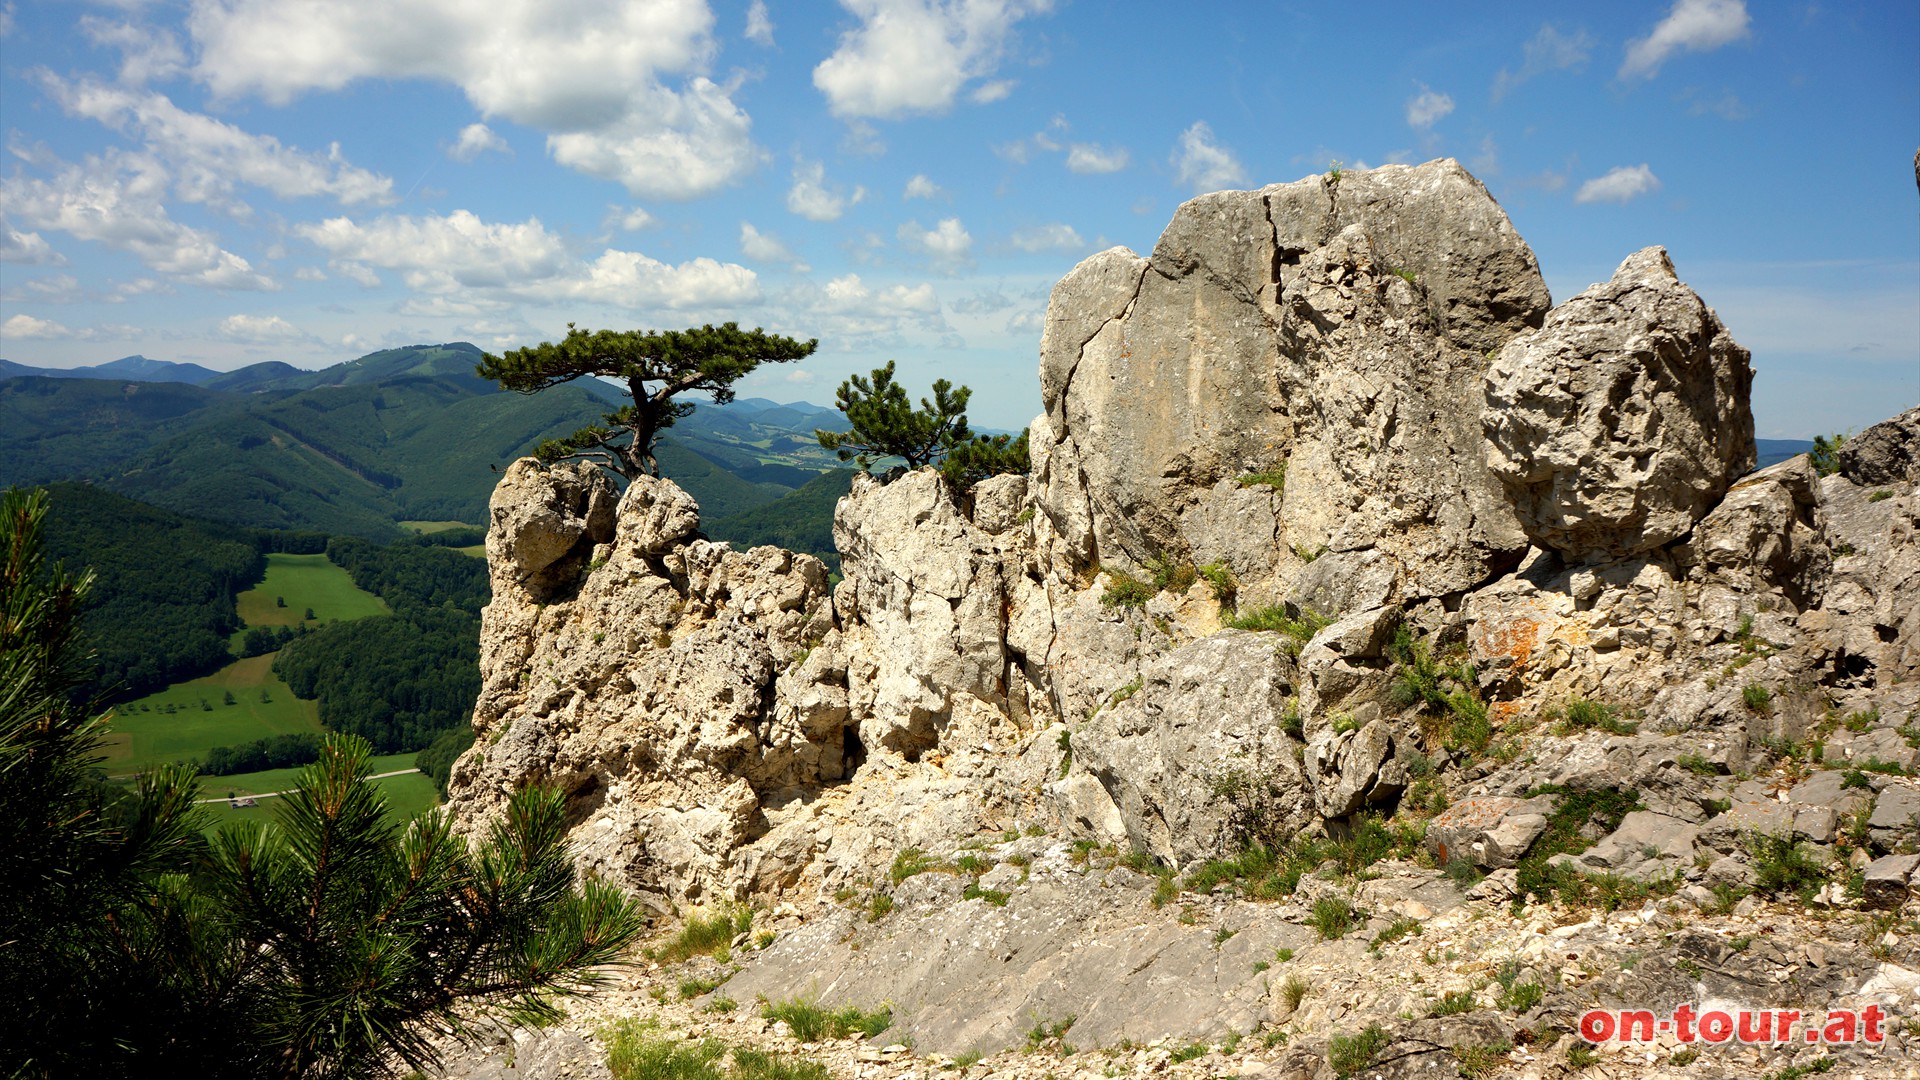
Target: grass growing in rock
<point>1333,917</point>
<point>1300,627</point>
<point>811,1022</point>
<point>709,934</point>
<point>1584,715</point>
<point>1446,689</point>
<point>1601,811</point>
<point>636,1051</point>
<point>1347,1055</point>
<point>1780,865</point>
<point>1275,478</point>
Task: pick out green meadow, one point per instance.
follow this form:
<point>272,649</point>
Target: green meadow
<point>407,795</point>
<point>429,527</point>
<point>144,733</point>
<point>306,582</point>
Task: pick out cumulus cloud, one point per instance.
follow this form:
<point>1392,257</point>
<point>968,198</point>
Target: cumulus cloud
<point>984,302</point>
<point>1054,237</point>
<point>116,200</point>
<point>598,76</point>
<point>207,157</point>
<point>921,188</point>
<point>914,56</point>
<point>816,200</point>
<point>444,255</point>
<point>1427,107</point>
<point>1621,184</point>
<point>1093,158</point>
<point>632,220</point>
<point>946,244</point>
<point>1205,165</point>
<point>261,330</point>
<point>26,247</point>
<point>25,327</point>
<point>1548,51</point>
<point>759,24</point>
<point>1026,322</point>
<point>989,92</point>
<point>476,139</point>
<point>146,52</point>
<point>1692,26</point>
<point>856,315</point>
<point>766,247</point>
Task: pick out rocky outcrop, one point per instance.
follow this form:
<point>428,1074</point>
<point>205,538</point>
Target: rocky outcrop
<point>1514,581</point>
<point>1622,421</point>
<point>1336,329</point>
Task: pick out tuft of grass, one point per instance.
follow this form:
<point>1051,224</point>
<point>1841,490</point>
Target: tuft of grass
<point>1125,692</point>
<point>1275,478</point>
<point>973,891</point>
<point>1125,590</point>
<point>1300,628</point>
<point>1880,496</point>
<point>1697,764</point>
<point>910,862</point>
<point>879,906</point>
<point>1584,715</point>
<point>1170,575</point>
<point>1221,580</point>
<point>635,1051</point>
<point>1333,917</point>
<point>693,988</point>
<point>1479,1061</point>
<point>1579,812</point>
<point>810,1022</point>
<point>1453,1003</point>
<point>1401,928</point>
<point>1188,1053</point>
<point>1758,699</point>
<point>1347,1055</point>
<point>710,934</point>
<point>1294,990</point>
<point>1580,1055</point>
<point>1781,865</point>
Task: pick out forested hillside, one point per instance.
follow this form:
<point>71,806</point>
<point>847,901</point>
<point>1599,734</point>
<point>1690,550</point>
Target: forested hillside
<point>161,609</point>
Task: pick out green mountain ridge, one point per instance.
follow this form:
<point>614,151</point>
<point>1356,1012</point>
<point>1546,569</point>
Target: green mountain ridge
<point>402,434</point>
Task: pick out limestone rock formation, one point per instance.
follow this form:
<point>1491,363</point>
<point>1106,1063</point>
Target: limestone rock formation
<point>1514,581</point>
<point>1624,419</point>
<point>1336,328</point>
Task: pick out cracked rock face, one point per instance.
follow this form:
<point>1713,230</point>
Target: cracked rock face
<point>1334,328</point>
<point>1621,422</point>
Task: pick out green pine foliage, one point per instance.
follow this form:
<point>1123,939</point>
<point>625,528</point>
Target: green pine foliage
<point>883,423</point>
<point>656,367</point>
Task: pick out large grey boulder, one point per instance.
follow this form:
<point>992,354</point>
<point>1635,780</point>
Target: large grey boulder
<point>542,515</point>
<point>1334,327</point>
<point>1203,731</point>
<point>1621,422</point>
<point>1886,453</point>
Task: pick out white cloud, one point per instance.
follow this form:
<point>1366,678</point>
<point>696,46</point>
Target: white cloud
<point>990,92</point>
<point>446,255</point>
<point>1026,322</point>
<point>358,273</point>
<point>984,302</point>
<point>476,139</point>
<point>854,315</point>
<point>25,327</point>
<point>766,247</point>
<point>1550,50</point>
<point>593,74</point>
<point>116,200</point>
<point>862,140</point>
<point>1619,185</point>
<point>947,243</point>
<point>26,247</point>
<point>913,56</point>
<point>921,188</point>
<point>814,199</point>
<point>680,146</point>
<point>146,52</point>
<point>1204,165</point>
<point>1092,158</point>
<point>1692,25</point>
<point>1055,237</point>
<point>1427,107</point>
<point>759,24</point>
<point>260,330</point>
<point>633,220</point>
<point>207,157</point>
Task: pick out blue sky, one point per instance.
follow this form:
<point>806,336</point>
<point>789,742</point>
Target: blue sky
<point>228,181</point>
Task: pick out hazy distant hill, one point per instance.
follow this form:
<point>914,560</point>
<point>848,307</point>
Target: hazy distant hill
<point>401,434</point>
<point>127,367</point>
